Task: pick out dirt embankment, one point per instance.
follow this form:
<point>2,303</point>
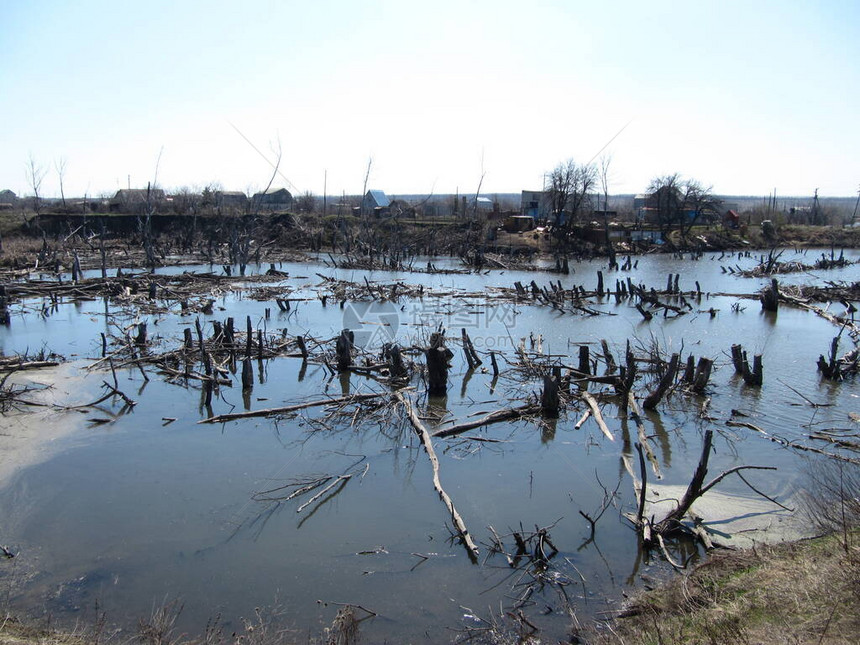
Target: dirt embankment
<point>795,592</point>
<point>234,239</point>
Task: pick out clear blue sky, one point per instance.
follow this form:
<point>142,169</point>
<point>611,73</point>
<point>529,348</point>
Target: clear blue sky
<point>744,96</point>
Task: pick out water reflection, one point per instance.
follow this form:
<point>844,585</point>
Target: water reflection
<point>191,486</point>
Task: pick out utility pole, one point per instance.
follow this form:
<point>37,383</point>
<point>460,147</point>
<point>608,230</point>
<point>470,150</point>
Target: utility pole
<point>856,204</point>
<point>816,214</point>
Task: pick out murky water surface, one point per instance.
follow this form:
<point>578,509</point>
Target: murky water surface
<point>137,509</point>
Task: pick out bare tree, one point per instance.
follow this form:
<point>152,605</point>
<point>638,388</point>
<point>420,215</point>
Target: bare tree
<point>60,167</point>
<point>306,202</point>
<point>480,183</point>
<point>569,186</point>
<point>665,197</point>
<point>680,204</point>
<point>603,175</point>
<point>364,190</point>
<point>35,175</point>
<point>699,204</point>
<point>278,150</point>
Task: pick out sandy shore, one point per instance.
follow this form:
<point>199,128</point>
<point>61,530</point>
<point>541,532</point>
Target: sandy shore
<point>31,435</point>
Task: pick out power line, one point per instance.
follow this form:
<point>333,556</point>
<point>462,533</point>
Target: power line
<point>268,161</point>
<point>606,145</point>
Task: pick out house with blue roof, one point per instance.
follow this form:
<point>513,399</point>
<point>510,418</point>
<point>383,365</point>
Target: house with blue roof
<point>375,201</point>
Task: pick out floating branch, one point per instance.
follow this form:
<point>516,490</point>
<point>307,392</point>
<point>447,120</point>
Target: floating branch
<point>424,435</point>
<point>508,414</point>
<point>597,414</point>
<point>267,412</point>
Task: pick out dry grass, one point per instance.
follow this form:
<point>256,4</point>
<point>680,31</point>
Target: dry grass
<point>801,592</point>
<point>266,627</point>
<point>13,632</point>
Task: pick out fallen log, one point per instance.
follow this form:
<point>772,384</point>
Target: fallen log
<point>266,412</point>
<point>508,414</point>
<point>11,366</point>
<point>791,444</point>
<point>595,412</point>
<point>424,435</point>
<point>636,415</point>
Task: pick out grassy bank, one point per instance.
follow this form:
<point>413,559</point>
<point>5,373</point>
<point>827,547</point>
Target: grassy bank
<point>13,632</point>
<point>798,592</point>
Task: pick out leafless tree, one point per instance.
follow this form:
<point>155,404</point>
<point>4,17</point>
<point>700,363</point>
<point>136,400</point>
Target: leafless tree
<point>480,183</point>
<point>364,190</point>
<point>680,203</point>
<point>60,167</point>
<point>700,204</point>
<point>569,187</point>
<point>278,150</point>
<point>35,175</point>
<point>665,197</point>
<point>603,174</point>
<point>306,202</point>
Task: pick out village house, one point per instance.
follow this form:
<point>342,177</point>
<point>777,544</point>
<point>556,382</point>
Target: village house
<point>8,200</point>
<point>535,204</point>
<point>274,199</point>
<point>231,201</point>
<point>136,200</point>
<point>376,202</point>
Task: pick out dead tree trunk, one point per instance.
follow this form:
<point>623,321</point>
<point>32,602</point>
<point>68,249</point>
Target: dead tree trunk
<point>247,375</point>
<point>690,369</point>
<point>437,356</point>
<point>703,374</point>
<point>343,349</point>
<point>752,376</point>
<point>738,358</point>
<point>140,338</point>
<point>549,400</point>
<point>472,357</point>
<point>303,349</point>
<point>694,490</point>
<point>397,369</point>
<point>651,401</point>
<point>5,316</point>
<point>645,313</point>
<point>584,360</point>
<point>770,297</point>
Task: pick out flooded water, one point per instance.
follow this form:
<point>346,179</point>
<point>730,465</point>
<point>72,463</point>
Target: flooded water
<point>152,505</point>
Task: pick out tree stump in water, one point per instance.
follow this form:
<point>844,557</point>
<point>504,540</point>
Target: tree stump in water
<point>752,376</point>
<point>140,338</point>
<point>703,374</point>
<point>343,349</point>
<point>738,358</point>
<point>770,297</point>
<point>690,369</point>
<point>437,356</point>
<point>303,349</point>
<point>247,375</point>
<point>549,397</point>
<point>584,360</point>
<point>5,316</point>
<point>755,377</point>
<point>397,368</point>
